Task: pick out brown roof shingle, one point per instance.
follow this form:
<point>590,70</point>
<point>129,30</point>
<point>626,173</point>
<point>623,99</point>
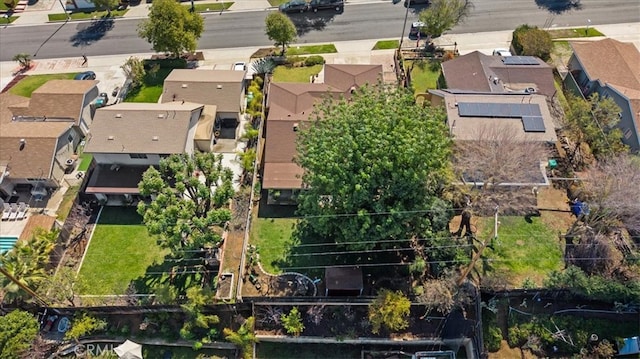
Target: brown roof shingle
<point>610,61</point>
<point>292,103</point>
<point>476,72</point>
<point>141,128</point>
<point>222,88</point>
<point>56,99</point>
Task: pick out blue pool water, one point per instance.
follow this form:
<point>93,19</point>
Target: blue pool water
<point>6,243</point>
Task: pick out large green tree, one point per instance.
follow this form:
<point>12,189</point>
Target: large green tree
<point>26,263</point>
<point>374,167</point>
<point>594,121</point>
<point>190,200</point>
<point>171,28</point>
<point>443,15</point>
<point>532,41</point>
<point>280,28</point>
<point>18,329</point>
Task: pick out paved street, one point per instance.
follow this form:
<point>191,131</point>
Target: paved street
<point>376,20</point>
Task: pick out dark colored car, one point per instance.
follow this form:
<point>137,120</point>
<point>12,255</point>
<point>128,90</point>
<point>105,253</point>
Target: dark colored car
<point>316,5</point>
<point>294,6</point>
<point>87,75</point>
<point>416,2</point>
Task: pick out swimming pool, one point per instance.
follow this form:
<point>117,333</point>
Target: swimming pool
<point>6,243</point>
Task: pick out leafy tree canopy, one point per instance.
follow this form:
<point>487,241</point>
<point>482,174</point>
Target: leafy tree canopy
<point>134,69</point>
<point>280,28</point>
<point>532,41</point>
<point>594,121</point>
<point>191,194</point>
<point>391,310</point>
<point>17,330</point>
<point>105,4</point>
<point>171,28</point>
<point>243,338</point>
<point>443,15</point>
<point>374,167</point>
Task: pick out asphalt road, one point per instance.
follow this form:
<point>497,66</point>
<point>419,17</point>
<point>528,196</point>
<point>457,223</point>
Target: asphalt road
<point>359,21</point>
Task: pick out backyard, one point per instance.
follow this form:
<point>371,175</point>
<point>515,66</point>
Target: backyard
<point>272,236</point>
<point>27,85</point>
<point>527,249</point>
<point>119,251</point>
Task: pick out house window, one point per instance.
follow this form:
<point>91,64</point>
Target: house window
<point>70,138</point>
<point>627,133</point>
<point>138,155</point>
<point>164,155</point>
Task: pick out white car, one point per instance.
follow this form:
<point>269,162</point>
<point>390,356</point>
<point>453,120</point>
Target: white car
<point>239,66</point>
<point>501,52</point>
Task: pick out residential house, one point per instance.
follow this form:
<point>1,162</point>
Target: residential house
<point>526,115</point>
<point>611,69</point>
<point>290,104</point>
<point>224,89</point>
<point>35,152</point>
<point>61,99</point>
<point>499,74</point>
<point>128,138</point>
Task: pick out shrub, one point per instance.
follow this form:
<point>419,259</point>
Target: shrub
<point>532,41</point>
<point>166,63</point>
<point>292,322</point>
<point>493,338</point>
<point>314,60</point>
<point>293,60</point>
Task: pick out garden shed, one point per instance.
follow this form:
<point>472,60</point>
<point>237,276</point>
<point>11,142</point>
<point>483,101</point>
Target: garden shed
<point>343,281</point>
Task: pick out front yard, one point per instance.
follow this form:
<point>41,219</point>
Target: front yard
<point>424,75</point>
<point>120,251</point>
<point>85,15</point>
<point>31,83</point>
<point>295,74</point>
<point>151,88</point>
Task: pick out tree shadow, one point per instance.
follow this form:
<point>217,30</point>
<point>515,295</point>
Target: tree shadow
<point>88,33</point>
<point>32,2</point>
<point>309,21</point>
<point>559,6</point>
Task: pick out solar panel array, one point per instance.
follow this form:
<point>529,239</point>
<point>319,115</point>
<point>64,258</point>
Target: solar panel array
<point>529,113</point>
<point>488,109</point>
<point>520,60</point>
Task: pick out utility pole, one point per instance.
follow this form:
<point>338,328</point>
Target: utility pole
<point>24,287</point>
<point>483,245</point>
<point>404,26</point>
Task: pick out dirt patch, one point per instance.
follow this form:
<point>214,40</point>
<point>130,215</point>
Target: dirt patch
<point>264,52</point>
<point>510,353</point>
<point>554,209</point>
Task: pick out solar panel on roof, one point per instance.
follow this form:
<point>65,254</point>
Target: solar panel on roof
<point>533,124</point>
<point>500,110</point>
<point>520,60</point>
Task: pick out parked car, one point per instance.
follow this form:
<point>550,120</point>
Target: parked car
<point>416,2</point>
<point>87,75</point>
<point>294,6</point>
<point>239,66</point>
<point>418,28</point>
<point>316,5</point>
<point>501,52</point>
<point>102,100</point>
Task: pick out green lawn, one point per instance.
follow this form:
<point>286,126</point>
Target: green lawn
<point>151,89</point>
<point>87,15</point>
<point>85,161</point>
<point>272,236</point>
<point>119,252</point>
<point>295,74</point>
<point>9,20</point>
<point>424,75</point>
<point>210,7</point>
<point>311,50</point>
<point>30,83</point>
<point>577,32</point>
<point>523,250</point>
<point>386,44</point>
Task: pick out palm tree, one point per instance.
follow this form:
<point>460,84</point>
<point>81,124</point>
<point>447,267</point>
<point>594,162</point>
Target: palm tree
<point>243,338</point>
